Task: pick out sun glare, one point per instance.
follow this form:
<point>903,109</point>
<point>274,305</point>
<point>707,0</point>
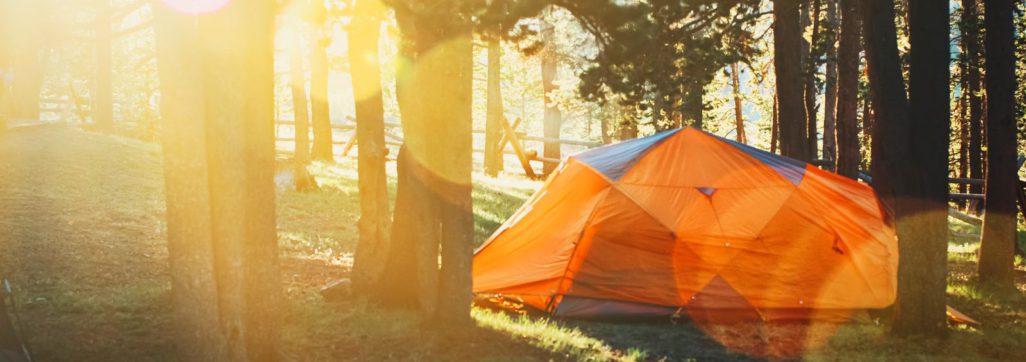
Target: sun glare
<point>196,6</point>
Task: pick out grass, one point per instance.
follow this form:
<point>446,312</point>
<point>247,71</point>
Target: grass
<point>82,240</point>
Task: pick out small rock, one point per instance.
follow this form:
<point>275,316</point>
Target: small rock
<point>337,290</point>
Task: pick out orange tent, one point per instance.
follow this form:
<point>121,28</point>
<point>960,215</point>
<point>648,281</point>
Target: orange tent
<point>687,221</point>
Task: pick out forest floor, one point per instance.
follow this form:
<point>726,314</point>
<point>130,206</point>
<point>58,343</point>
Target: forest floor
<point>82,241</point>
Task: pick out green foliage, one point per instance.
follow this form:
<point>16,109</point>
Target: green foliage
<point>671,54</point>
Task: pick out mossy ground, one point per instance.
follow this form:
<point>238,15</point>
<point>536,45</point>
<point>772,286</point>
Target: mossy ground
<point>82,240</point>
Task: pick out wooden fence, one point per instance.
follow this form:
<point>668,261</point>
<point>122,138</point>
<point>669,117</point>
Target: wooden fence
<point>510,136</point>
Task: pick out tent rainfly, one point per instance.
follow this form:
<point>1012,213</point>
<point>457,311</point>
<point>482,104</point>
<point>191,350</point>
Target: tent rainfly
<point>685,221</point>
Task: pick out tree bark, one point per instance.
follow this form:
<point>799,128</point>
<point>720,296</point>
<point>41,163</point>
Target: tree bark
<point>219,162</point>
<point>970,29</point>
<point>320,109</point>
<point>811,91</point>
<point>963,122</point>
<point>775,126</point>
<point>416,219</point>
<point>658,105</point>
<point>239,54</point>
<point>868,120</point>
<point>27,45</point>
<point>628,127</point>
<point>888,97</point>
<point>364,34</point>
<point>998,241</point>
<point>103,93</point>
<point>437,154</point>
<point>553,117</point>
<point>5,86</point>
<point>604,129</point>
<point>452,111</point>
<point>197,333</point>
<point>493,122</point>
<point>693,105</point>
<point>787,46</point>
<point>923,214</point>
<point>830,84</point>
<point>739,120</point>
<point>847,133</point>
<point>300,105</point>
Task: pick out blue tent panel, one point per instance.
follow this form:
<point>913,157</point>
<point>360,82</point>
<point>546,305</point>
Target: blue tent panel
<point>614,161</point>
<point>792,169</point>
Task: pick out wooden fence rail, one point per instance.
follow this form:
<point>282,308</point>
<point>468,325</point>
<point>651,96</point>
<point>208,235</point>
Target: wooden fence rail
<point>509,135</point>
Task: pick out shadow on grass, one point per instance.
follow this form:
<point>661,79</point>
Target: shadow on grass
<point>354,330</point>
<point>660,341</point>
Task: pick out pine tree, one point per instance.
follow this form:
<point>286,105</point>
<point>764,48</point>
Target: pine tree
<point>847,133</point>
<point>374,224</point>
<point>922,200</point>
<point>998,241</point>
<point>787,65</point>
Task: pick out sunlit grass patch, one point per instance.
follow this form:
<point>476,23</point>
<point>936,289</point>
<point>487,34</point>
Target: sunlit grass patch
<point>547,334</point>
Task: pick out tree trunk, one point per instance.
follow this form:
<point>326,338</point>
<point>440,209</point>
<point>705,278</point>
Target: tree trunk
<point>998,241</point>
<point>220,153</point>
<point>364,34</point>
<point>320,109</point>
<point>400,276</point>
<point>414,223</point>
<point>739,121</point>
<point>26,58</point>
<point>604,128</point>
<point>493,122</point>
<point>300,105</point>
<point>437,154</point>
<point>970,28</point>
<point>775,126</point>
<point>198,335</point>
<point>692,105</point>
<point>787,46</point>
<point>867,125</point>
<point>5,86</point>
<point>103,93</point>
<point>963,122</point>
<point>239,55</point>
<point>830,84</point>
<point>417,220</point>
<point>553,117</point>
<point>889,102</point>
<point>923,215</point>
<point>658,103</point>
<point>811,91</point>
<point>847,133</point>
<point>451,111</point>
<point>628,127</point>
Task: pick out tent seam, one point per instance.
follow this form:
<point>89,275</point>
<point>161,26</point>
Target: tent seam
<point>580,236</point>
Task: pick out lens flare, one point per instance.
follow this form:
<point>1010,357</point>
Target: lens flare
<point>196,6</point>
